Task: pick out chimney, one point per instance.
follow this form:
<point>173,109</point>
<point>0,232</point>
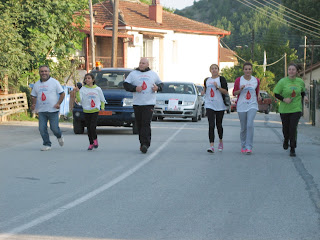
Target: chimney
<point>155,11</point>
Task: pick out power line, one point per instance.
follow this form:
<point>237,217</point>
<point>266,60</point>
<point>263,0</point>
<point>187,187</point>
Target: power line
<point>286,15</point>
<point>297,13</point>
<point>277,18</point>
<point>252,63</point>
<point>312,33</point>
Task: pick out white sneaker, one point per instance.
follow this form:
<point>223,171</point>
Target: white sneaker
<point>210,149</point>
<point>61,141</point>
<point>45,148</point>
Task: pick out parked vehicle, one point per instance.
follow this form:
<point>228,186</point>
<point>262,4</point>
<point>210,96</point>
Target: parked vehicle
<point>178,100</point>
<point>265,103</point>
<point>203,109</point>
<point>119,108</point>
<point>233,107</point>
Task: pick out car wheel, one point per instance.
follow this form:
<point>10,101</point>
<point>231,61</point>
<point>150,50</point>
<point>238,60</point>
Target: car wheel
<point>78,126</point>
<point>154,118</point>
<point>134,128</point>
<point>268,110</point>
<point>160,118</point>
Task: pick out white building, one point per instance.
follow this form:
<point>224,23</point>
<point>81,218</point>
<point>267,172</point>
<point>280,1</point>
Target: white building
<point>178,48</point>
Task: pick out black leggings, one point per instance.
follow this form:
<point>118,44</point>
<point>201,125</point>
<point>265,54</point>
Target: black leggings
<point>215,117</point>
<point>289,127</point>
<point>91,124</point>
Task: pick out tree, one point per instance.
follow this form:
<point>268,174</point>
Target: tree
<point>37,32</point>
<point>266,79</point>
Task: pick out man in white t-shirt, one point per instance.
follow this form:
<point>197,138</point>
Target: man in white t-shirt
<point>47,95</point>
<point>143,83</point>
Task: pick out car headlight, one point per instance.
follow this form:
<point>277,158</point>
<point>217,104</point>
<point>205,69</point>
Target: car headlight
<point>160,102</point>
<point>127,102</point>
<point>188,103</point>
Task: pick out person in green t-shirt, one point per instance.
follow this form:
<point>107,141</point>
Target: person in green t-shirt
<point>290,91</point>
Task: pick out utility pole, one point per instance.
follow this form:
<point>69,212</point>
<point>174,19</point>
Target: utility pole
<point>252,46</point>
<point>285,65</point>
<point>115,33</point>
<point>305,57</point>
<point>93,52</point>
<point>311,63</point>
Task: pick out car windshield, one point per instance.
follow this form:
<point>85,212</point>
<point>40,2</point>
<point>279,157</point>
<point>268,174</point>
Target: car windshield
<point>110,80</point>
<point>200,88</point>
<point>179,88</point>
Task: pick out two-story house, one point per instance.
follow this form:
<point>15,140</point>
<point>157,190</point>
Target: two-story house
<point>178,48</point>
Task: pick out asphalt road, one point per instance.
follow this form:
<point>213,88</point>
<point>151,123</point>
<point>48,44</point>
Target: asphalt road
<point>175,191</point>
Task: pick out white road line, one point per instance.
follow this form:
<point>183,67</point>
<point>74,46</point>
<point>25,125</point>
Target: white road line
<point>91,194</point>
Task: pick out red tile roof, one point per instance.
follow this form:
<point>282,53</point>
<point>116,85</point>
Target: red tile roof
<point>136,14</point>
<point>227,55</point>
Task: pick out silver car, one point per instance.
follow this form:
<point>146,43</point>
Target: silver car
<point>178,100</point>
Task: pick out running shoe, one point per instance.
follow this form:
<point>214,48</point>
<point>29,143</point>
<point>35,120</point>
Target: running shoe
<point>248,151</point>
<point>144,149</point>
<point>292,152</point>
<point>243,150</point>
<point>61,141</point>
<point>210,149</point>
<point>95,143</point>
<point>45,148</point>
<point>220,147</point>
<point>90,147</point>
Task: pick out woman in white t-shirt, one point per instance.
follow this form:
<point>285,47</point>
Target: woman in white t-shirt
<point>214,87</point>
<point>247,89</point>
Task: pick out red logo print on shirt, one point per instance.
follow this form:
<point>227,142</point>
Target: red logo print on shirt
<point>144,85</point>
<point>92,103</point>
<point>43,96</point>
<point>211,93</point>
<point>248,95</point>
<point>293,94</point>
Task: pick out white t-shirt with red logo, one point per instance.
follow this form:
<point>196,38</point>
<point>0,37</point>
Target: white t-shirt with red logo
<point>213,97</point>
<point>47,94</point>
<point>248,96</point>
<point>146,80</point>
<point>91,97</point>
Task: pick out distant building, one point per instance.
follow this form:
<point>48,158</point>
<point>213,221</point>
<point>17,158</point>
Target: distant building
<point>178,48</point>
<point>228,58</point>
<point>312,81</point>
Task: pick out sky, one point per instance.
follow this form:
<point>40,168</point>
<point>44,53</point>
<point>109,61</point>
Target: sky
<point>178,4</point>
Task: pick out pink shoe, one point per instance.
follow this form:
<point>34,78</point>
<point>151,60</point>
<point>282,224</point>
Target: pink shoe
<point>220,147</point>
<point>95,143</point>
<point>243,150</point>
<point>90,147</point>
<point>248,152</point>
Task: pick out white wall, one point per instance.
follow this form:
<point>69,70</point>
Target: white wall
<point>134,55</point>
<point>187,57</point>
